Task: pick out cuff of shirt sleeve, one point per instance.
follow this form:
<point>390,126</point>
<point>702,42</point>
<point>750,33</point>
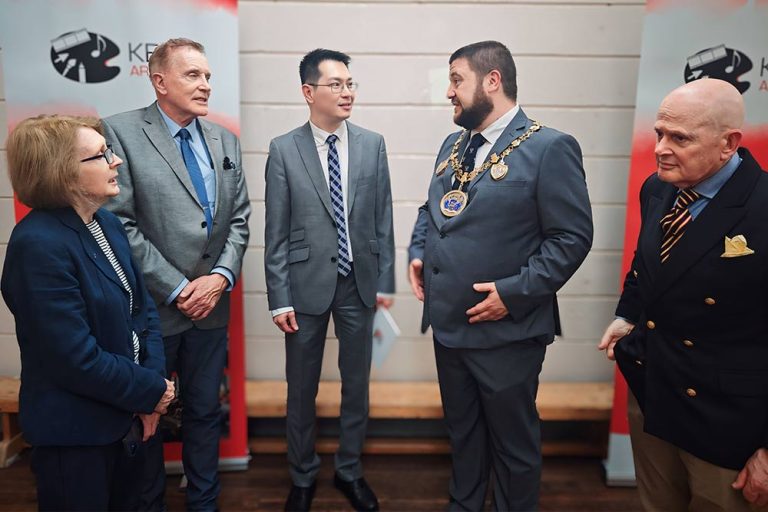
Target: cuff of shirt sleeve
<point>382,295</point>
<point>280,311</point>
<point>175,293</point>
<point>226,273</point>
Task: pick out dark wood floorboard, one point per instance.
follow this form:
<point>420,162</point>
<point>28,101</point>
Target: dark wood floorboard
<point>402,482</point>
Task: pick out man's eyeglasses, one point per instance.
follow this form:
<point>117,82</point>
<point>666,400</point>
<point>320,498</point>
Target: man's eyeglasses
<point>107,155</point>
<point>337,87</point>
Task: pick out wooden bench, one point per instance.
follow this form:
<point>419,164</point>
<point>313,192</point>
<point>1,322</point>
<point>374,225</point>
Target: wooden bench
<point>12,443</point>
<point>557,401</point>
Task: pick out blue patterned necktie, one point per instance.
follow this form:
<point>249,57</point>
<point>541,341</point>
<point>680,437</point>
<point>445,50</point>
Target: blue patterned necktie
<point>337,200</point>
<point>196,175</point>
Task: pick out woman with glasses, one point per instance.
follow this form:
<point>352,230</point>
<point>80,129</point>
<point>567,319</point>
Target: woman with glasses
<point>92,361</point>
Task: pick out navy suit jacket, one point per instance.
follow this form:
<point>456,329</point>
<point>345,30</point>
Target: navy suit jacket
<point>698,359</point>
<point>79,384</point>
<point>527,232</point>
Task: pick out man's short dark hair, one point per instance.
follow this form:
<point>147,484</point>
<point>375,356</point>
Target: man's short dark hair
<point>485,56</point>
<point>309,68</point>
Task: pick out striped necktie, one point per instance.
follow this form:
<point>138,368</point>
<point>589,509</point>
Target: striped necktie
<point>674,223</point>
<point>337,200</point>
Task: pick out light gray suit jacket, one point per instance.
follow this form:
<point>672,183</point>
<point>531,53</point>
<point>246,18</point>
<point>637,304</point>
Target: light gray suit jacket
<point>163,217</point>
<point>300,234</point>
<point>528,233</point>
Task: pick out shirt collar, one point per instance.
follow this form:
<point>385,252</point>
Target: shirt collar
<point>174,128</point>
<point>712,185</point>
<point>321,135</point>
<point>496,128</point>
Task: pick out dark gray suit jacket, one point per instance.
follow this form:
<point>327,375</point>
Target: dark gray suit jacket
<point>527,232</point>
<point>300,234</point>
<point>163,217</point>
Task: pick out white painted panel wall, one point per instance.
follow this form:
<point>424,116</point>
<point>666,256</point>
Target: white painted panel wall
<point>577,71</point>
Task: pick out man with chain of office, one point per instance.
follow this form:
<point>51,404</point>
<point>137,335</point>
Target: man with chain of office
<point>506,224</point>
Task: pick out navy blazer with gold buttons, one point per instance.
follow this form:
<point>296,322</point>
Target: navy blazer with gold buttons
<point>698,359</point>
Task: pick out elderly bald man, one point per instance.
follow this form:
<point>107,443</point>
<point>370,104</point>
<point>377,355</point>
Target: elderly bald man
<point>691,333</point>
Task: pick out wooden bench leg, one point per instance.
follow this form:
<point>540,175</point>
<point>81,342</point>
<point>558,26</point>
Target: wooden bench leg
<point>12,442</point>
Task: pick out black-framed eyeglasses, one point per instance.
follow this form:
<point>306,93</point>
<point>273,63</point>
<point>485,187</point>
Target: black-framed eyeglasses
<point>337,87</point>
<point>107,155</point>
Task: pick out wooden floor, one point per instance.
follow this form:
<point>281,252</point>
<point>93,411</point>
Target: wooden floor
<point>402,482</point>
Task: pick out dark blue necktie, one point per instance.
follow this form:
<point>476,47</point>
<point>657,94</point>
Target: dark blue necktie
<point>196,175</point>
<point>337,200</point>
<point>468,162</point>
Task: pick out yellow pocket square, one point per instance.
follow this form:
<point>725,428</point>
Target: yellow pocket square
<point>736,246</point>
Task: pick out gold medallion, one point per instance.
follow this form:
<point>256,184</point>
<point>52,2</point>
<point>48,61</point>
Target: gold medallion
<point>441,168</point>
<point>453,202</point>
<point>494,158</point>
<point>499,170</point>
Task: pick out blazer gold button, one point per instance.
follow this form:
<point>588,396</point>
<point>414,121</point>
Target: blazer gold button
<point>638,362</point>
<point>690,392</point>
<point>688,343</point>
<point>709,301</point>
<point>634,273</point>
<point>650,324</point>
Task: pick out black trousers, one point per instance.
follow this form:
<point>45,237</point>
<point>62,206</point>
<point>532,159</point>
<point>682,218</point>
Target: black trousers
<point>97,478</point>
<point>489,401</point>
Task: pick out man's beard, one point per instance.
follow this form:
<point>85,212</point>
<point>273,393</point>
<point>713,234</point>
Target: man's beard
<point>471,117</point>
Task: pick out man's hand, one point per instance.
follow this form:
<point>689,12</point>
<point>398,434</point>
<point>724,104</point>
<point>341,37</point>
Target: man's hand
<point>286,322</point>
<point>200,296</point>
<point>168,396</point>
<point>752,480</point>
<point>617,330</point>
<point>490,309</point>
<point>149,421</point>
<point>416,278</point>
<point>384,302</point>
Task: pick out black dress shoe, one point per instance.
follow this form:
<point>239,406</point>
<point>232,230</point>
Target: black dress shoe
<point>300,498</point>
<point>358,493</point>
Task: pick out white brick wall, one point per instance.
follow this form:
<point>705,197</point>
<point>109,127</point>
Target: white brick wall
<point>577,71</point>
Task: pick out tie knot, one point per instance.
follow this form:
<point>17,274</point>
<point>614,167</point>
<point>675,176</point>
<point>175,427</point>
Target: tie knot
<point>475,142</point>
<point>332,138</point>
<point>184,134</point>
<point>686,197</point>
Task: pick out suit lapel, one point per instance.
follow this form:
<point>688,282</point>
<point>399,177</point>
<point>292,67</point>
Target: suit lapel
<point>157,133</point>
<point>513,130</point>
<point>650,243</point>
<point>120,247</point>
<point>213,142</point>
<point>305,142</point>
<point>355,145</point>
<point>447,177</point>
<point>69,217</point>
<point>711,225</point>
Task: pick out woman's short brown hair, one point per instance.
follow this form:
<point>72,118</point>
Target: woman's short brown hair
<point>43,161</point>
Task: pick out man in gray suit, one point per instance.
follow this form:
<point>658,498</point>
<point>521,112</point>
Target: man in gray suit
<point>506,224</point>
<point>329,250</point>
<point>185,207</point>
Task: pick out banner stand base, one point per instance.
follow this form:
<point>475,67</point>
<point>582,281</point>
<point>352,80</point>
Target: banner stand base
<point>619,466</point>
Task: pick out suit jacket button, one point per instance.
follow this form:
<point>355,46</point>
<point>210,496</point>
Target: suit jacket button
<point>203,224</point>
<point>634,273</point>
<point>638,362</point>
<point>442,234</point>
<point>206,256</point>
<point>709,301</point>
<point>688,343</point>
<point>435,270</point>
<point>690,392</point>
<point>333,259</point>
<point>650,324</point>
